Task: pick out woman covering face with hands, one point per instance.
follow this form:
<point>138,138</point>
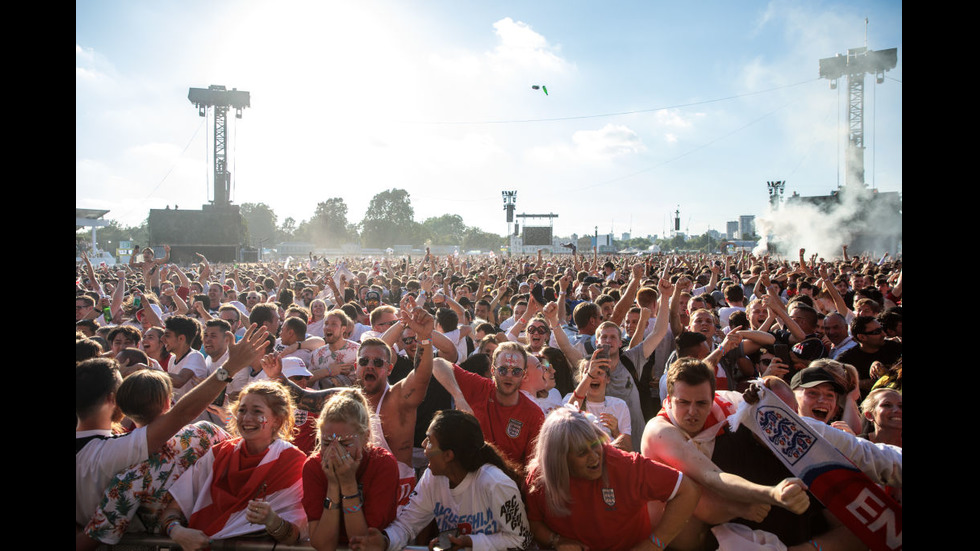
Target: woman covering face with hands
<point>348,483</point>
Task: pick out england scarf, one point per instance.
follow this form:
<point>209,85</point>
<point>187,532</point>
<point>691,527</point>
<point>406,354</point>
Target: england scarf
<point>865,508</point>
<point>220,513</point>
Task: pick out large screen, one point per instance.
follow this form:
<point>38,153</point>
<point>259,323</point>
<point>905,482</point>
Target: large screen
<point>537,235</point>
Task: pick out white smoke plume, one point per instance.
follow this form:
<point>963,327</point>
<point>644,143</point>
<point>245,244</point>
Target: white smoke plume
<point>861,220</point>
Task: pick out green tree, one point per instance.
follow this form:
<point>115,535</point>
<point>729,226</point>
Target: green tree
<point>260,224</point>
<point>286,230</point>
<point>389,220</point>
<point>475,238</point>
<point>329,223</point>
<point>447,229</point>
<point>108,237</point>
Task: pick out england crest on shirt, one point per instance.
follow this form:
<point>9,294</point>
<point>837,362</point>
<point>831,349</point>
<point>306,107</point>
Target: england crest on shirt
<point>609,497</point>
<point>514,428</point>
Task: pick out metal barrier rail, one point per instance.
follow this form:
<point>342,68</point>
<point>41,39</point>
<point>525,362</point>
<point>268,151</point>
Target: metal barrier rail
<point>149,541</point>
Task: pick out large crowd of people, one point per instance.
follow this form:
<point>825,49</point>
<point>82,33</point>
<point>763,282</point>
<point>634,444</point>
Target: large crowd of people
<point>489,402</point>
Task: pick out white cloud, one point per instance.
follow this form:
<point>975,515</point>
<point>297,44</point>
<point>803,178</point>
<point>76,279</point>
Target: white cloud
<point>609,141</point>
<point>522,48</point>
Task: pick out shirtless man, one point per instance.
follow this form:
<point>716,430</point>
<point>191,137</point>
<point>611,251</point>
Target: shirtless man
<point>395,405</point>
<point>149,266</point>
<point>682,435</point>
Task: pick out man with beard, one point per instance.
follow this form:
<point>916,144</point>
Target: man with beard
<point>509,419</point>
<point>396,406</point>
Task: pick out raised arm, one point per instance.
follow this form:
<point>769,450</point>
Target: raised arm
<point>90,271</point>
<point>240,355</point>
<point>119,292</point>
<point>415,384</point>
<point>776,305</point>
<point>205,274</point>
<point>443,372</point>
<point>660,327</point>
<point>627,298</point>
<point>551,316</point>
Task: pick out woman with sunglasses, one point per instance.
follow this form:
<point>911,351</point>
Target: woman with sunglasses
<point>469,482</point>
<point>349,483</point>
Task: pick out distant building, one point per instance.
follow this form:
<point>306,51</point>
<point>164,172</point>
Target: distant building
<point>626,236</point>
<point>732,230</point>
<point>746,225</point>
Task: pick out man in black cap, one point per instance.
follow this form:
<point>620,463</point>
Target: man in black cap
<point>822,393</point>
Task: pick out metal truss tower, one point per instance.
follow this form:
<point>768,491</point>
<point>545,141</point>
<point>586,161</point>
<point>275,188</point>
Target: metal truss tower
<point>857,63</point>
<point>220,99</point>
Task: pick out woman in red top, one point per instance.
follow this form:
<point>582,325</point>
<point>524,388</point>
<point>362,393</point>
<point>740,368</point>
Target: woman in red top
<point>245,485</point>
<point>349,484</point>
<point>585,494</point>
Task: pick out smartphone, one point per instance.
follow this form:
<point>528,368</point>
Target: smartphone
<point>220,400</point>
<point>781,351</point>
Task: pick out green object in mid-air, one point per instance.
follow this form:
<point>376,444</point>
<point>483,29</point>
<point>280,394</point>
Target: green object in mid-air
<point>541,87</point>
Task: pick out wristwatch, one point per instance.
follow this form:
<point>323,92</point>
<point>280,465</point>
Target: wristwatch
<point>223,375</point>
<point>328,504</point>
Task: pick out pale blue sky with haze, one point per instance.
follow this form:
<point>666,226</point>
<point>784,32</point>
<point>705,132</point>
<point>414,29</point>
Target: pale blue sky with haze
<point>349,99</point>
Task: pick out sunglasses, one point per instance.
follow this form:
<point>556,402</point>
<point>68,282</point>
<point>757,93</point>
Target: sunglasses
<point>408,340</point>
<point>874,332</point>
<point>387,323</point>
<point>537,330</point>
<point>514,371</point>
<point>364,361</point>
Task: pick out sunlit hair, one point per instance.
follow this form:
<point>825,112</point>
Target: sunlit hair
<point>277,398</point>
<point>319,301</point>
<point>346,406</point>
<point>690,371</point>
<point>512,347</point>
<point>565,431</point>
<point>144,395</point>
<point>874,398</point>
<point>376,343</point>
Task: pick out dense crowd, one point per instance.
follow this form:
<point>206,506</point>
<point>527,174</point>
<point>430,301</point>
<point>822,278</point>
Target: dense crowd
<point>485,402</point>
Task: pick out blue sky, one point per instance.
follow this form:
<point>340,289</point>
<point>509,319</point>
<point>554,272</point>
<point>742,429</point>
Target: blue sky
<point>352,98</point>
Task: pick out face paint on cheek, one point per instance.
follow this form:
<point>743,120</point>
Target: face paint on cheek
<point>262,420</point>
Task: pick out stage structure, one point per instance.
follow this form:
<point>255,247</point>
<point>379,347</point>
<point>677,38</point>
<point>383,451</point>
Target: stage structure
<point>535,235</point>
<point>217,230</point>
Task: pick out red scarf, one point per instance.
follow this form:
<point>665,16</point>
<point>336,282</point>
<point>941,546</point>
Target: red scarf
<point>240,477</point>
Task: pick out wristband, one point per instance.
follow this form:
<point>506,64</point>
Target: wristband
<point>358,494</point>
<point>171,525</point>
<point>353,509</point>
<point>656,541</point>
<point>815,544</point>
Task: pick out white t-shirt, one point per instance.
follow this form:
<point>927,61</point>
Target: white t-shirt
<point>613,405</point>
<point>98,461</point>
<point>487,500</point>
<point>194,361</point>
<point>548,403</point>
